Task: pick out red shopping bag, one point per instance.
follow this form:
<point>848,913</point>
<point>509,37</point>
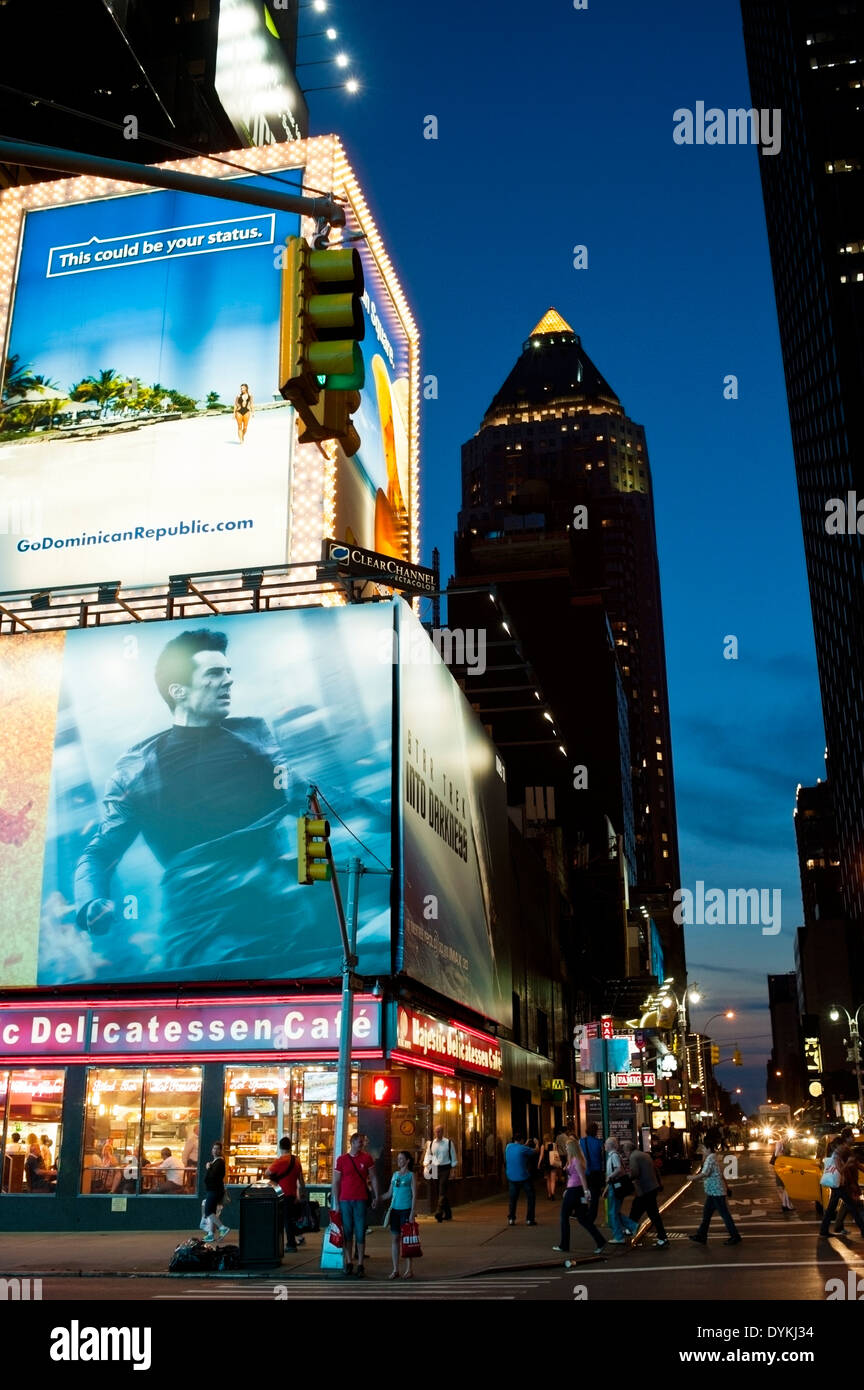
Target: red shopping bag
<point>335,1234</point>
<point>410,1240</point>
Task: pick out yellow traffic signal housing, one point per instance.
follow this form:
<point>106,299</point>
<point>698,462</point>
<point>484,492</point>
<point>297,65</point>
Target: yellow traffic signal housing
<point>313,865</point>
<point>331,419</point>
<point>322,326</point>
<point>715,1053</point>
<point>736,1058</point>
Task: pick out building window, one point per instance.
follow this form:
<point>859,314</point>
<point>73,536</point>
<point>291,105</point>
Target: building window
<point>263,1103</point>
<point>542,1032</point>
<point>31,1108</point>
<point>517,1019</point>
<point>141,1131</point>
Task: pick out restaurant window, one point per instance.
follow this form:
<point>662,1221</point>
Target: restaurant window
<point>446,1110</point>
<point>141,1131</point>
<point>472,1137</point>
<point>31,1105</point>
<point>264,1103</point>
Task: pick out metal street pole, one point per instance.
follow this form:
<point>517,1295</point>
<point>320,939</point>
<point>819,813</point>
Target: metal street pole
<point>604,1091</point>
<point>71,162</point>
<point>856,1045</point>
<point>343,1078</point>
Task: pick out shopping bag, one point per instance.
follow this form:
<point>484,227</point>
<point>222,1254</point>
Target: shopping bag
<point>335,1234</point>
<point>410,1240</point>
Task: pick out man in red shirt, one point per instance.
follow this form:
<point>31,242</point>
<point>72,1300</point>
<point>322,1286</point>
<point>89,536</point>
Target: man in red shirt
<point>352,1177</point>
<point>287,1173</point>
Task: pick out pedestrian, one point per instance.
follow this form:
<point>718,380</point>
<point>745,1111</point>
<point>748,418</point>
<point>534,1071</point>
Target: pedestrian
<point>214,1195</point>
<point>439,1161</point>
<point>550,1166</point>
<point>621,1224</point>
<point>577,1201</point>
<point>190,1149</point>
<point>847,1135</point>
<point>353,1176</point>
<point>519,1171</point>
<point>840,1174</point>
<point>287,1174</point>
<point>402,1195</point>
<point>716,1194</point>
<point>641,1168</point>
<point>782,1149</point>
<point>595,1166</point>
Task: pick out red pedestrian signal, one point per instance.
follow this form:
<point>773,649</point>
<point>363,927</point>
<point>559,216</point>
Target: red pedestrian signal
<point>381,1090</point>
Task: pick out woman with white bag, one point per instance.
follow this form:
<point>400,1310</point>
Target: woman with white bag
<point>840,1174</point>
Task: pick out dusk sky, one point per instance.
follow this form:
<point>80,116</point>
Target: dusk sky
<point>555,130</point>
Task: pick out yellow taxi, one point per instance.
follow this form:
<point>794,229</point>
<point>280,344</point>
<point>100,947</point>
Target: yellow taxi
<point>800,1169</point>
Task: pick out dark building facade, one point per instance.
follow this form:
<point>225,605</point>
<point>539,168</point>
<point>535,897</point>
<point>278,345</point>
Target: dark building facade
<point>827,947</point>
<point>142,80</point>
<point>806,58</point>
<point>786,1066</point>
<point>557,520</point>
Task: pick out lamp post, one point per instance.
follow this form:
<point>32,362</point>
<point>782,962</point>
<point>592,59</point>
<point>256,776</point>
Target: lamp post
<point>855,1037</point>
<point>665,997</point>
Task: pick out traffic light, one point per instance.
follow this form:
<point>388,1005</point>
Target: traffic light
<point>736,1058</point>
<point>321,369</point>
<point>312,843</point>
<point>380,1090</point>
<point>715,1053</point>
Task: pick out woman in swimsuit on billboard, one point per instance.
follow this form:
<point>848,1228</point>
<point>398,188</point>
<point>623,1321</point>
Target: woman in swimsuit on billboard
<point>243,411</point>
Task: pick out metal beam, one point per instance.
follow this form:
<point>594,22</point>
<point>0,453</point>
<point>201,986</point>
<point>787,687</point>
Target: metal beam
<point>70,162</point>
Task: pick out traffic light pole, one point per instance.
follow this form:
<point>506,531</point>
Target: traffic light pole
<point>343,1081</point>
<point>349,961</point>
<point>70,162</point>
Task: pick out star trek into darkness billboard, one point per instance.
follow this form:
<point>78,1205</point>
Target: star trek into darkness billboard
<point>151,776</point>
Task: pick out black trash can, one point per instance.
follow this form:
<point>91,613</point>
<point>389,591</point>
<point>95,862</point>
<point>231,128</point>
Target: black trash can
<point>262,1229</point>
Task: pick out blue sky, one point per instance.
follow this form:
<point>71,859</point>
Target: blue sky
<point>555,129</point>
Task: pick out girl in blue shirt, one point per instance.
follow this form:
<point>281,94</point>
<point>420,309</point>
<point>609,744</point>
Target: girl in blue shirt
<point>402,1194</point>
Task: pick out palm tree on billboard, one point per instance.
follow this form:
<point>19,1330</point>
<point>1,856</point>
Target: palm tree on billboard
<point>105,389</point>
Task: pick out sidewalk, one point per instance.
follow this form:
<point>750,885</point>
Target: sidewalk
<point>477,1241</point>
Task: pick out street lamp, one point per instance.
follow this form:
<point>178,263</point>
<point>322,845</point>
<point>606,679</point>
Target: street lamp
<point>729,1013</point>
<point>855,1037</point>
<point>666,999</point>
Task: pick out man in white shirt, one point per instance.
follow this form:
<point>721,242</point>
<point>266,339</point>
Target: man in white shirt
<point>190,1149</point>
<point>439,1161</point>
<point>169,1173</point>
<point>16,1145</point>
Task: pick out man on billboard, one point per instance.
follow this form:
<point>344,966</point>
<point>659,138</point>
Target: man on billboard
<point>208,796</point>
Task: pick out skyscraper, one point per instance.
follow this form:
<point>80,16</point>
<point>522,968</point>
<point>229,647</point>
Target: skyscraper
<point>557,513</point>
<point>806,58</point>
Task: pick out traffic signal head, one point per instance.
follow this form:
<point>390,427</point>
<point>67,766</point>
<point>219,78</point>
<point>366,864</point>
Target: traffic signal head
<point>313,865</point>
<point>322,326</point>
<point>380,1090</point>
<point>715,1053</point>
<point>736,1058</point>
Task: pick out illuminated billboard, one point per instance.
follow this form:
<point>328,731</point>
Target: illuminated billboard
<point>454,838</point>
<point>150,781</point>
<point>141,325</point>
<point>151,776</point>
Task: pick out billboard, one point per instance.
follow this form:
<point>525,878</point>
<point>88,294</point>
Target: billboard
<point>137,326</point>
<point>454,837</point>
<point>150,780</point>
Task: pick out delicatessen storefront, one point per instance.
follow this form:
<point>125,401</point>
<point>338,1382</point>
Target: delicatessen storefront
<point>114,1085</point>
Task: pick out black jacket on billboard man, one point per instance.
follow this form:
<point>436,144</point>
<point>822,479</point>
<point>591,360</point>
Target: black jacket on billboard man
<point>209,801</point>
